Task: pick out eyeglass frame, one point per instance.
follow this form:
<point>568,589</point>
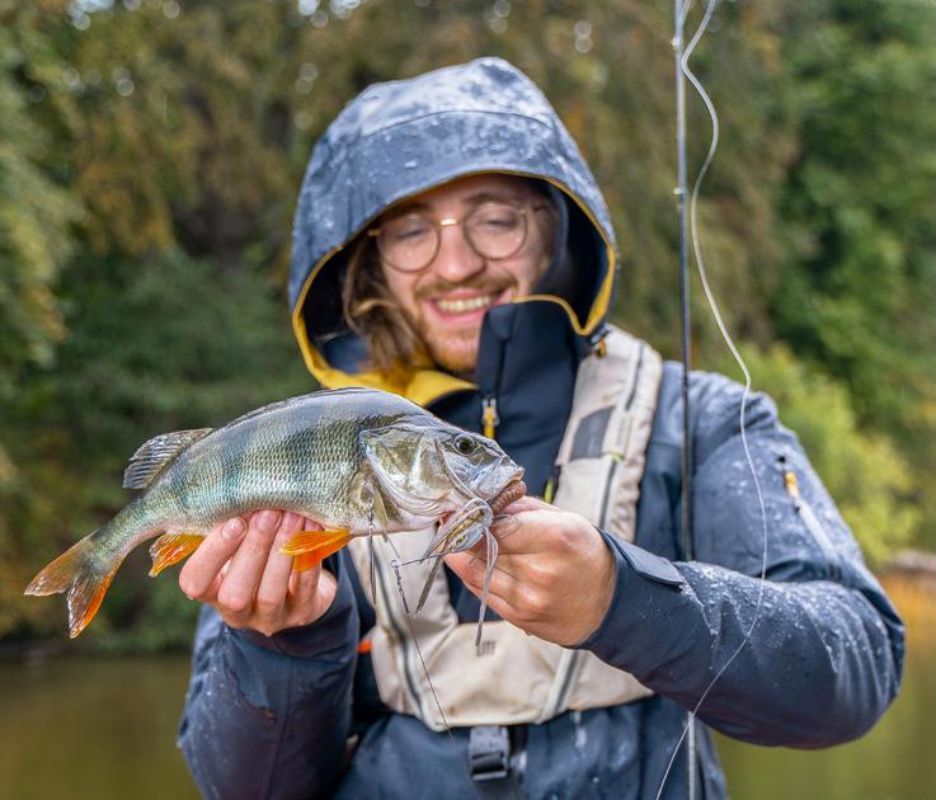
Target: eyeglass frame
<point>448,222</point>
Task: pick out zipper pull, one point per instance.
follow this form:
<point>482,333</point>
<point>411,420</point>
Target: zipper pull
<point>549,493</point>
<point>790,482</point>
<point>489,418</point>
<point>598,343</point>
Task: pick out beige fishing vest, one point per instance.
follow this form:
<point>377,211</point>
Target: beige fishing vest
<point>518,678</point>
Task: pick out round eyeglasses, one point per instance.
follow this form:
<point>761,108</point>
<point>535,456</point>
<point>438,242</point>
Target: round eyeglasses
<point>494,230</point>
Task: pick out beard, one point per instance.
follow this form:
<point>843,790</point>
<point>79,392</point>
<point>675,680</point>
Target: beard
<point>454,351</point>
<point>455,348</point>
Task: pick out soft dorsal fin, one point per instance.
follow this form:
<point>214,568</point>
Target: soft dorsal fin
<point>153,455</point>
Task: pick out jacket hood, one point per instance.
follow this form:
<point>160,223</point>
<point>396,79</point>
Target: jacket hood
<point>402,138</point>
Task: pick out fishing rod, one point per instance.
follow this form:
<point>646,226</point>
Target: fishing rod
<point>681,8</point>
<point>690,203</point>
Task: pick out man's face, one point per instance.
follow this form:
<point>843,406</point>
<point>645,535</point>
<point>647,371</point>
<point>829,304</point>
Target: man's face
<point>447,300</point>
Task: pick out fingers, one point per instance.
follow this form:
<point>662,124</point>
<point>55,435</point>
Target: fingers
<point>472,570</point>
<point>199,574</point>
<point>241,572</point>
<point>274,582</point>
<point>238,590</point>
<point>311,593</point>
<point>523,599</point>
<point>504,590</point>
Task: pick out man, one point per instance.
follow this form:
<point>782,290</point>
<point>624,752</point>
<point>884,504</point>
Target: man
<point>452,246</point>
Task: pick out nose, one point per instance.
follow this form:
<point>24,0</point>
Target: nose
<point>456,260</point>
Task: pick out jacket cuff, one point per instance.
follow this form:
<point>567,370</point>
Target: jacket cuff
<point>328,634</point>
<point>645,585</point>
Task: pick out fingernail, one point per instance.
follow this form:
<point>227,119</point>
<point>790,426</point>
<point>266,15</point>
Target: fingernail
<point>232,529</point>
<point>268,520</point>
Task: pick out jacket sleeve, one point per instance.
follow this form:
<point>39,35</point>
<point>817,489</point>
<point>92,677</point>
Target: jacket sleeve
<point>809,657</point>
<point>269,716</point>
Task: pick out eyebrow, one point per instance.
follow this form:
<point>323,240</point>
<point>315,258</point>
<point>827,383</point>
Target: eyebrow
<point>483,196</point>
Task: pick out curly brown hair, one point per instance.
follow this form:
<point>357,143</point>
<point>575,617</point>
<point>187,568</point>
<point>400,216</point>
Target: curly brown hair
<point>372,312</point>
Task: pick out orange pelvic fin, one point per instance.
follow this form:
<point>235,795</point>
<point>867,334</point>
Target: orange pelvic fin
<point>310,548</point>
<point>80,574</point>
<point>171,548</point>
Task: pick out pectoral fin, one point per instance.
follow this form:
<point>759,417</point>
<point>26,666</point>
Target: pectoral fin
<point>171,548</point>
<point>310,548</point>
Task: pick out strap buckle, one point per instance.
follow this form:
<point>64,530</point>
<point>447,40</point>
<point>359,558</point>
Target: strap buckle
<point>489,752</point>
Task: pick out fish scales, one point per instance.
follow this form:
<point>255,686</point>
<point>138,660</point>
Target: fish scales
<point>298,462</point>
<point>354,460</point>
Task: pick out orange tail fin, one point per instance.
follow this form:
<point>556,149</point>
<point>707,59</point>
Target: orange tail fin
<point>310,548</point>
<point>171,548</point>
<point>80,574</point>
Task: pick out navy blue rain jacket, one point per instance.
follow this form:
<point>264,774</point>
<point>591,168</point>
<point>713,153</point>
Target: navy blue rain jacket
<point>808,658</point>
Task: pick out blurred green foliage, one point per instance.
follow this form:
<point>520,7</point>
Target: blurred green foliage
<point>172,343</point>
<point>151,151</point>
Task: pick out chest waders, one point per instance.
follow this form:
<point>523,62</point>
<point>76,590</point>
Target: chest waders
<point>518,678</point>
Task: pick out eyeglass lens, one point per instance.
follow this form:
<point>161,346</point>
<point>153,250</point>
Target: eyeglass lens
<point>410,242</point>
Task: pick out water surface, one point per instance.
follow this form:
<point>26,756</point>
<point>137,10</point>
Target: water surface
<point>94,728</point>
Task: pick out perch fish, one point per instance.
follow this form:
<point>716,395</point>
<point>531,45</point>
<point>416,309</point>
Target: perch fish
<point>358,461</point>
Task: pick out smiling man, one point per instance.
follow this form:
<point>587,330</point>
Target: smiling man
<point>452,246</point>
<point>447,256</point>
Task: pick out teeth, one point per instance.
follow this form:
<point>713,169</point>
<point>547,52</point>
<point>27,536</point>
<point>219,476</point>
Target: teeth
<point>464,304</point>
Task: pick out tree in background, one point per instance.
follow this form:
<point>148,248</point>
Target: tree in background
<point>36,215</point>
<point>858,206</point>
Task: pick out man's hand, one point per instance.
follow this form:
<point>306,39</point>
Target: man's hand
<point>239,571</point>
<point>554,576</point>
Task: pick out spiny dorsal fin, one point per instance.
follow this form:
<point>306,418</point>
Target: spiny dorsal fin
<point>153,455</point>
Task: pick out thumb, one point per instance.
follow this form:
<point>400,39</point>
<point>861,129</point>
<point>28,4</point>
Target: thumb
<point>511,519</point>
<point>506,523</point>
<point>526,503</point>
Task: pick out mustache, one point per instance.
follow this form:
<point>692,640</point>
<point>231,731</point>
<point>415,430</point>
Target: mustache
<point>485,284</point>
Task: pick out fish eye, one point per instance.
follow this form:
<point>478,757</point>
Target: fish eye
<point>465,444</point>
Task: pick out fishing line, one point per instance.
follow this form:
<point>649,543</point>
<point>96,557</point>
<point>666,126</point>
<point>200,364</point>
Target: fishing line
<point>491,552</point>
<point>372,558</point>
<point>726,336</point>
<point>395,565</point>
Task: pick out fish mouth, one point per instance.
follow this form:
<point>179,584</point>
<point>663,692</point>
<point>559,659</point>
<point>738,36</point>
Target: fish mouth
<point>513,491</point>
